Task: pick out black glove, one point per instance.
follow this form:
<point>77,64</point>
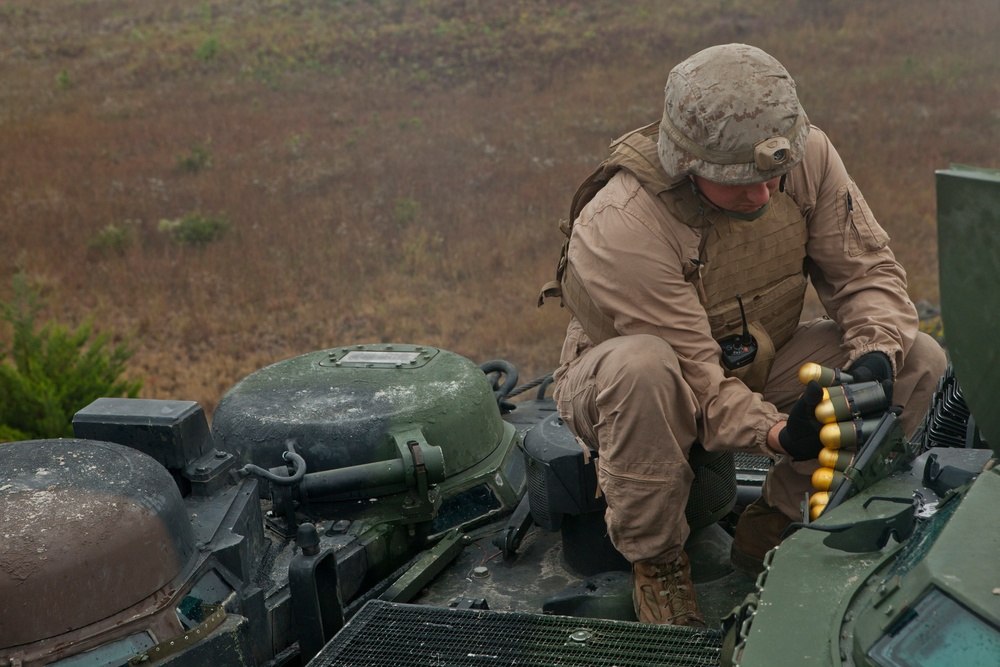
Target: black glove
<point>800,436</point>
<point>874,366</point>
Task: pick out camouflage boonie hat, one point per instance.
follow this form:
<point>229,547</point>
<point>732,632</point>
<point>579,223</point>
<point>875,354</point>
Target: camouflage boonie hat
<point>731,115</point>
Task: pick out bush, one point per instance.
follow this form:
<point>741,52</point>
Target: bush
<point>405,211</point>
<point>63,80</point>
<point>194,229</point>
<point>197,159</point>
<point>208,51</point>
<point>113,238</point>
<point>53,373</point>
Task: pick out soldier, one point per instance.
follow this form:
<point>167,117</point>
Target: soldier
<point>732,193</point>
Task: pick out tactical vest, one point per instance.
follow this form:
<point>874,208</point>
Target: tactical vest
<point>762,260</point>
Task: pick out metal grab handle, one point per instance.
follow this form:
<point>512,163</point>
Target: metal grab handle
<point>298,469</point>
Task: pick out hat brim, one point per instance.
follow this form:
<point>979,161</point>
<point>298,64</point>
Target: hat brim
<point>679,163</point>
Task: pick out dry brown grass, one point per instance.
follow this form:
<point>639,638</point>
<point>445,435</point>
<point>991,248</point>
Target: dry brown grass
<point>394,171</point>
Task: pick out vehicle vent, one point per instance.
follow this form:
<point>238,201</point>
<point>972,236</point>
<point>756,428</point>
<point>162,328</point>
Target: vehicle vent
<point>538,492</point>
<point>402,635</point>
<point>948,422</point>
<point>713,491</point>
<point>751,469</point>
<point>751,463</point>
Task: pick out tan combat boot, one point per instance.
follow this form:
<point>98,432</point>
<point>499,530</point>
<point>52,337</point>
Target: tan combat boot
<point>758,530</point>
<point>663,593</point>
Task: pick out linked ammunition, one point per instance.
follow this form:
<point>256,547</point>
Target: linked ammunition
<point>827,479</point>
<point>852,433</point>
<point>856,400</point>
<point>838,459</point>
<point>827,377</point>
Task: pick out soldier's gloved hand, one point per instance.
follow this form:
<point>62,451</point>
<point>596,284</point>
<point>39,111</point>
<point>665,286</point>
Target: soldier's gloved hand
<point>874,366</point>
<point>800,436</point>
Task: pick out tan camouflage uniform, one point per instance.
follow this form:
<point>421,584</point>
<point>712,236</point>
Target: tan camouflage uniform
<point>653,384</point>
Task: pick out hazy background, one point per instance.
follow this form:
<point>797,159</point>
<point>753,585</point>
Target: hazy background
<point>394,171</point>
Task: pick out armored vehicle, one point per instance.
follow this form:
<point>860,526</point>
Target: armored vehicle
<point>391,504</point>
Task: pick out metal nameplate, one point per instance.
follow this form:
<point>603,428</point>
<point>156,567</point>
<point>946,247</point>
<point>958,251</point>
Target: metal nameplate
<point>381,358</point>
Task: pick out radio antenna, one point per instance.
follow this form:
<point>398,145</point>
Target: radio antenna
<point>743,315</point>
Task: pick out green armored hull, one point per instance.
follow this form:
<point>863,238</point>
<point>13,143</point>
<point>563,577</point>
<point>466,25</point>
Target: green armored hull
<point>904,572</point>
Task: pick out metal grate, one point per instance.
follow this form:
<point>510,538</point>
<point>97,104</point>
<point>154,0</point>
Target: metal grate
<point>751,469</point>
<point>537,491</point>
<point>713,491</point>
<point>401,635</point>
<point>752,463</point>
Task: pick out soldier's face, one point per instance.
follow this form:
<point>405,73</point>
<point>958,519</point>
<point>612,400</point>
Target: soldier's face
<point>739,198</point>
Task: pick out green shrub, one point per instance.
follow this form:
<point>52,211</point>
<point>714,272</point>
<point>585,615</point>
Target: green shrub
<point>63,80</point>
<point>194,229</point>
<point>196,159</point>
<point>113,238</point>
<point>208,51</point>
<point>405,211</point>
<point>47,376</point>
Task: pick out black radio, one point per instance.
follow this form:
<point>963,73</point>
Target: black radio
<point>739,349</point>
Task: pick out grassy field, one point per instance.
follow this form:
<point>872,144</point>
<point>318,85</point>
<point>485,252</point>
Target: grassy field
<point>394,170</point>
